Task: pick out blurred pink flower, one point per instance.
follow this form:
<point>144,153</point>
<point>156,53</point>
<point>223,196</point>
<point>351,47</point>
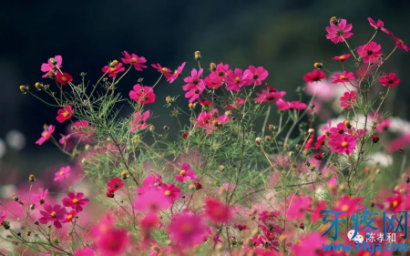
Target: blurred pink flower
<point>63,173</point>
<point>177,73</point>
<point>153,200</point>
<point>139,121</point>
<point>187,229</point>
<point>379,25</point>
<point>217,212</point>
<point>46,135</point>
<point>39,198</point>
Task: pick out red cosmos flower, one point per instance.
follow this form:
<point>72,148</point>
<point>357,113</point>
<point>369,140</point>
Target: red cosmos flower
<point>241,227</point>
<point>217,211</point>
<point>205,103</point>
<point>65,113</point>
<point>348,204</point>
<point>369,52</point>
<point>164,70</point>
<point>342,57</point>
<point>399,43</point>
<point>75,201</point>
<point>185,135</point>
<point>348,99</point>
<point>70,216</point>
<point>134,60</point>
<point>342,78</point>
<point>64,78</point>
<point>394,203</point>
<point>115,184</point>
<point>379,25</point>
<point>319,156</point>
<point>139,121</point>
<point>110,193</point>
<point>142,94</point>
<point>314,76</point>
<point>375,138</point>
<point>317,210</point>
<point>320,141</point>
<point>113,242</point>
<point>198,185</point>
<point>298,206</point>
<point>389,80</point>
<point>222,70</point>
<point>54,214</point>
<point>113,70</point>
<point>336,32</point>
<point>309,142</point>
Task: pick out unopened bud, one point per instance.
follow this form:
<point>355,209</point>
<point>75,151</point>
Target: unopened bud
<point>23,89</point>
<point>32,206</point>
<point>212,66</point>
<point>318,65</point>
<point>169,99</point>
<point>31,178</point>
<point>334,20</point>
<point>124,174</point>
<point>271,127</point>
<point>258,140</point>
<point>221,168</point>
<point>347,124</point>
<point>311,130</point>
<point>114,63</point>
<point>38,86</point>
<point>197,55</point>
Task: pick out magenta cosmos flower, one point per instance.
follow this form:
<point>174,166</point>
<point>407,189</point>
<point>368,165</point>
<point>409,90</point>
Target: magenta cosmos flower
<point>153,200</point>
<point>213,81</point>
<point>255,75</point>
<point>314,76</point>
<point>134,60</point>
<point>187,229</point>
<point>139,121</point>
<point>217,212</point>
<point>75,201</point>
<point>54,214</point>
<point>115,183</point>
<point>399,43</point>
<point>343,143</point>
<point>369,52</point>
<point>389,80</point>
<point>63,173</point>
<point>342,57</point>
<point>65,113</point>
<point>379,25</point>
<point>298,206</point>
<point>39,198</point>
<point>142,94</point>
<point>348,99</point>
<point>186,173</point>
<point>310,244</point>
<point>171,191</point>
<point>195,85</point>
<point>64,78</point>
<point>164,70</point>
<point>177,73</point>
<point>113,242</point>
<point>49,66</point>
<point>336,32</point>
<point>46,135</point>
<point>235,80</point>
<point>112,71</point>
<point>344,77</point>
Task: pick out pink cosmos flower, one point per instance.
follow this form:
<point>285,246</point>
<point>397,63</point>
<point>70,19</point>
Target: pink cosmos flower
<point>222,70</point>
<point>186,173</point>
<point>339,129</point>
<point>298,206</point>
<point>134,60</point>
<point>235,80</point>
<point>64,78</point>
<point>255,75</point>
<point>63,140</point>
<point>115,184</point>
<point>326,129</point>
<point>314,76</point>
<point>338,32</point>
<point>282,105</point>
<point>171,191</point>
<point>379,25</point>
<point>342,57</point>
<point>389,80</point>
<point>348,204</point>
<point>348,99</point>
<point>65,113</point>
<point>323,89</point>
<point>83,128</point>
<point>46,135</point>
<point>369,52</point>
<point>343,143</point>
<point>399,43</point>
<point>213,81</point>
<point>75,201</point>
<point>153,200</point>
<point>142,94</point>
<point>297,105</point>
<point>310,245</point>
<point>394,203</point>
<point>112,71</point>
<point>85,252</point>
<point>217,212</point>
<point>47,67</point>
<point>205,121</point>
<point>382,125</point>
<point>164,70</point>
<point>54,214</point>
<point>3,216</point>
<point>63,173</point>
<point>269,95</point>
<point>177,73</point>
<point>70,216</point>
<point>39,198</point>
<point>195,85</point>
<point>149,223</point>
<point>187,229</point>
<point>152,181</point>
<point>317,211</point>
<point>342,78</point>
<point>113,242</point>
<point>139,121</point>
<point>236,104</point>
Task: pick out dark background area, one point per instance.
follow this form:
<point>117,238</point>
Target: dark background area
<point>284,36</point>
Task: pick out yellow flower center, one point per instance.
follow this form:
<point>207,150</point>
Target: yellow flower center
<point>69,217</point>
<point>344,144</point>
<point>61,173</point>
<point>182,172</point>
<point>342,57</point>
<point>66,113</point>
<point>269,214</point>
<point>237,79</point>
<point>395,203</point>
<point>133,60</point>
<point>53,214</point>
<point>342,77</point>
<point>167,193</point>
<point>176,71</point>
<point>326,132</point>
<point>164,70</point>
<point>64,79</point>
<point>400,41</point>
<point>75,201</point>
<point>345,207</point>
<point>46,135</point>
<point>112,69</point>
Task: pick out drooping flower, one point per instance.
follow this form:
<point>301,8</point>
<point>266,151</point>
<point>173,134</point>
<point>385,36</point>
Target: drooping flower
<point>342,57</point>
<point>113,242</point>
<point>177,73</point>
<point>142,94</point>
<point>115,184</point>
<point>39,198</point>
<point>186,173</point>
<point>369,52</point>
<point>338,32</point>
<point>195,85</point>
<point>298,206</point>
<point>389,80</point>
<point>64,78</point>
<point>171,191</point>
<point>164,70</point>
<point>134,60</point>
<point>343,143</point>
<point>399,43</point>
<point>54,214</point>
<point>187,229</point>
<point>314,76</point>
<point>235,80</point>
<point>113,70</point>
<point>153,200</point>
<point>217,212</point>
<point>255,75</point>
<point>379,25</point>
<point>139,121</point>
<point>65,113</point>
<point>348,99</point>
<point>349,204</point>
<point>46,135</point>
<point>344,77</point>
<point>51,65</point>
<point>75,201</point>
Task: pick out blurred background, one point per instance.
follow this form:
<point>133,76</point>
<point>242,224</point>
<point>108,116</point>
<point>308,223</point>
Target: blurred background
<point>284,36</point>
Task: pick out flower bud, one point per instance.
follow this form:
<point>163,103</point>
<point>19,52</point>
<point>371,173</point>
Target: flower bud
<point>197,55</point>
<point>31,178</point>
<point>124,175</point>
<point>32,206</point>
<point>15,198</point>
<point>290,154</point>
<point>169,100</point>
<point>191,186</point>
<point>215,122</point>
<point>221,168</point>
<point>311,130</point>
<point>83,74</point>
<point>272,127</point>
<point>258,140</point>
<point>318,65</point>
<point>334,20</point>
<point>375,138</point>
<point>114,63</point>
<point>347,124</point>
<point>23,89</point>
<point>268,138</point>
<point>216,182</point>
<point>166,128</point>
<point>38,86</point>
<point>151,128</point>
<point>212,66</point>
<point>28,233</point>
